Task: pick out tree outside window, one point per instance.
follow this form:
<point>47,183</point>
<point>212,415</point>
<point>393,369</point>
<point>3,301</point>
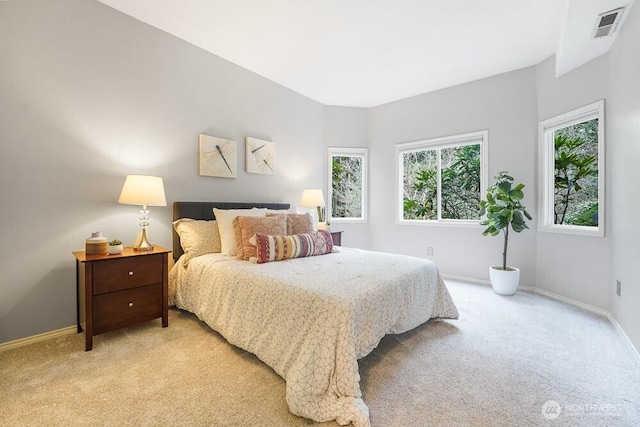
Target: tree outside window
<point>573,171</point>
<point>347,184</point>
<point>442,179</point>
<point>576,174</point>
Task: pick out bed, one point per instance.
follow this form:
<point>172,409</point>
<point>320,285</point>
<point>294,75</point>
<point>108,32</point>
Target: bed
<point>309,318</point>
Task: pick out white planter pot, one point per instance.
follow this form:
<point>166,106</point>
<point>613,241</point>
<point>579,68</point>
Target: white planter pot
<point>504,282</point>
<point>115,249</point>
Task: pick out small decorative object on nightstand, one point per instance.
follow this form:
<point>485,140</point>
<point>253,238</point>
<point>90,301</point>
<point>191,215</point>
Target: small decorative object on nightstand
<point>96,244</point>
<point>115,291</point>
<point>115,247</point>
<point>337,238</point>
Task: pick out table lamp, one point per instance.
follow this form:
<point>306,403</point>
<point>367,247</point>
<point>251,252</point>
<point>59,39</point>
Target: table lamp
<point>315,199</point>
<point>146,191</point>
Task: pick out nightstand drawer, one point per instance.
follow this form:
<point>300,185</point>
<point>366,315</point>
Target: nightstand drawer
<point>118,309</point>
<point>125,273</point>
<point>115,291</point>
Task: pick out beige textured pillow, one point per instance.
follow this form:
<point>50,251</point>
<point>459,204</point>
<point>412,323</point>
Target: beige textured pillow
<point>246,228</point>
<point>225,225</point>
<point>197,237</point>
<point>297,223</point>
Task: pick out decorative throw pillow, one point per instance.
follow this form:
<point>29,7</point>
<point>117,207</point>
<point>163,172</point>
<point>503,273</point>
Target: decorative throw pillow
<point>297,223</point>
<point>225,225</point>
<point>197,237</point>
<point>278,248</point>
<point>245,228</point>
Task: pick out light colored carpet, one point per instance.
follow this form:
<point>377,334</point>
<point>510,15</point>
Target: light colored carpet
<point>524,360</point>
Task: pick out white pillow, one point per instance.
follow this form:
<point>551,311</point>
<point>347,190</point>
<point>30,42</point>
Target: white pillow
<point>279,211</point>
<point>225,219</point>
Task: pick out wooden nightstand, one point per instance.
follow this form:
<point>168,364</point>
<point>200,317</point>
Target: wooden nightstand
<point>115,291</point>
<point>337,238</point>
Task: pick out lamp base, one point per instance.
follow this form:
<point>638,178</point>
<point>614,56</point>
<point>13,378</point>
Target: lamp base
<point>143,248</point>
<point>142,244</point>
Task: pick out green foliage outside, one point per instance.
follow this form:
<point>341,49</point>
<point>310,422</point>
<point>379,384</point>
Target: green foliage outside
<point>459,180</point>
<point>420,177</point>
<point>576,174</point>
<point>346,185</point>
<point>586,216</point>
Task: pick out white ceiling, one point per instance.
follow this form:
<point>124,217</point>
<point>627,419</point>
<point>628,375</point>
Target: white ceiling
<point>363,53</point>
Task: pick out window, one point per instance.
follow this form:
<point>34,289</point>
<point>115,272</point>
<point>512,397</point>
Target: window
<point>442,180</point>
<point>347,184</point>
<point>572,149</point>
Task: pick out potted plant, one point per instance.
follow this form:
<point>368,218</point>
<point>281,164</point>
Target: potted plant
<point>115,247</point>
<point>504,210</point>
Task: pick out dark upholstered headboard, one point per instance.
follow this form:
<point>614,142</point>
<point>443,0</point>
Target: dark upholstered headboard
<point>204,210</point>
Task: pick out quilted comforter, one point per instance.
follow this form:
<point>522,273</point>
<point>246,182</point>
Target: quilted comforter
<point>311,319</point>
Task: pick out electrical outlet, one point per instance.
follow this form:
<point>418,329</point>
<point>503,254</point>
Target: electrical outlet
<point>429,250</point>
<point>618,286</point>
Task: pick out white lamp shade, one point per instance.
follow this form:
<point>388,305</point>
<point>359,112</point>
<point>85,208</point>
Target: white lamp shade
<point>312,198</point>
<point>143,190</point>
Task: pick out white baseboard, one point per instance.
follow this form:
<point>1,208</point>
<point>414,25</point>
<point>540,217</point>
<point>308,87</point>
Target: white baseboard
<point>558,297</point>
<point>596,310</point>
<point>37,338</point>
<point>624,336</point>
<point>477,281</point>
<point>465,279</point>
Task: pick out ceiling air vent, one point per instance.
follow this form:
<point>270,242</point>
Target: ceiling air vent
<point>607,22</point>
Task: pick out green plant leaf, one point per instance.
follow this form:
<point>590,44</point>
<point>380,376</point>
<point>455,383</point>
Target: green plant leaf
<point>502,208</point>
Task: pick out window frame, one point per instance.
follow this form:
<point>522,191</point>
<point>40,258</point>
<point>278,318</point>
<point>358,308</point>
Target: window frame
<point>477,137</point>
<point>362,153</point>
<point>546,128</point>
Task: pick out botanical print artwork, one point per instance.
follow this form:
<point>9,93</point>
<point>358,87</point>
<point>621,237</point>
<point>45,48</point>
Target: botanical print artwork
<point>218,157</point>
<point>260,156</point>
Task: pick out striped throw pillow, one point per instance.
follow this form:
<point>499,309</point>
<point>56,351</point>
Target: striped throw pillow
<point>278,248</point>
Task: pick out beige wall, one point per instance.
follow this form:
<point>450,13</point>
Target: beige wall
<point>623,149</point>
<point>505,105</point>
<point>89,95</point>
<point>348,127</point>
<point>575,267</point>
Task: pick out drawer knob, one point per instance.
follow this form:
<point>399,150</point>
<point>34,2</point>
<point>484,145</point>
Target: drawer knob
<point>131,273</point>
<point>130,304</point>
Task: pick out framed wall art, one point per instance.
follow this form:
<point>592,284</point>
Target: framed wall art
<point>260,156</point>
<point>218,157</point>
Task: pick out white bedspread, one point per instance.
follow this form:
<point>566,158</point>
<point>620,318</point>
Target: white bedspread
<point>311,319</point>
